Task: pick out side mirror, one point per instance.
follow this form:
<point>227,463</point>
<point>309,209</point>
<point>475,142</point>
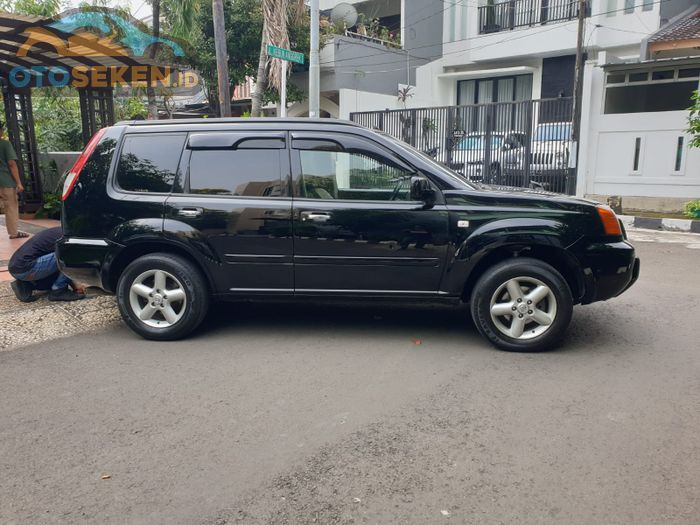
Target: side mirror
<point>421,190</point>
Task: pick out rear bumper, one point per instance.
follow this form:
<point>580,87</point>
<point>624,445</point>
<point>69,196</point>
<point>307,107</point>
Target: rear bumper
<point>609,269</point>
<point>84,260</point>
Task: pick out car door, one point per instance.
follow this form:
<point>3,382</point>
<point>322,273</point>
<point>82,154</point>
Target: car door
<point>234,207</point>
<point>356,227</point>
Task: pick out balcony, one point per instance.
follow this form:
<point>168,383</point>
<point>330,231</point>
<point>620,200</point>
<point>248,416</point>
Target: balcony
<point>511,14</point>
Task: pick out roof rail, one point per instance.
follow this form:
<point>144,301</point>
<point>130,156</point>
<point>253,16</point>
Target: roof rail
<point>236,120</point>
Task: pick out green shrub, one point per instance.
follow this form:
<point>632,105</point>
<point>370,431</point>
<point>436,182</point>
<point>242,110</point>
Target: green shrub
<point>692,209</point>
<point>51,209</point>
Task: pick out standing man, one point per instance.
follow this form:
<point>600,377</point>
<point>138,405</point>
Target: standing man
<point>10,186</point>
<point>35,267</point>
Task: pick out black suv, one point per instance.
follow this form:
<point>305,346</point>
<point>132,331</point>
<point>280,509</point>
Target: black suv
<point>172,214</point>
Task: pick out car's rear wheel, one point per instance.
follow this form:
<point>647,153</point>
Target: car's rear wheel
<point>522,305</point>
<point>162,296</point>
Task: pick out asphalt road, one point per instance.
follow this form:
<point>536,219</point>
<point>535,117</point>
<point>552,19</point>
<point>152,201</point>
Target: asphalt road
<point>302,414</point>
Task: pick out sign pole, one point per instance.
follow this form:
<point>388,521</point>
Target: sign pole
<point>283,91</point>
<point>285,55</point>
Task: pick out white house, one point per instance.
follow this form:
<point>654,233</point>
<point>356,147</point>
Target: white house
<point>364,63</point>
<point>635,119</point>
<point>497,51</point>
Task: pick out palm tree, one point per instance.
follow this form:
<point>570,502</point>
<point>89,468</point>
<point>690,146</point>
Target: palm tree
<point>277,14</point>
<point>182,15</point>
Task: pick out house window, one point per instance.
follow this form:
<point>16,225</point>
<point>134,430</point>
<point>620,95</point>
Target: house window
<point>647,5</point>
<point>689,73</point>
<point>611,7</point>
<point>650,91</point>
<point>629,6</point>
<point>616,78</point>
<point>639,77</point>
<point>679,154</point>
<point>495,89</point>
<point>637,150</point>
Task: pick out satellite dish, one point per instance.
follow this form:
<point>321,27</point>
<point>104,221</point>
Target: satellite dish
<point>345,13</point>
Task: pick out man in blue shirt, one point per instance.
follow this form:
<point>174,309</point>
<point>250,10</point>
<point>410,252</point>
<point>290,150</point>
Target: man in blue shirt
<point>35,267</point>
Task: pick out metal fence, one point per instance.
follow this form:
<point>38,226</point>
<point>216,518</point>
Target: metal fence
<point>522,144</point>
<point>509,14</point>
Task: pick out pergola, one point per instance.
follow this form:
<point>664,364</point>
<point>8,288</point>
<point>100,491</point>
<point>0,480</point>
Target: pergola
<point>96,104</point>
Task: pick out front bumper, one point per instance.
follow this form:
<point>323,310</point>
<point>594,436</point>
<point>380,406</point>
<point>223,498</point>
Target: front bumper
<point>609,269</point>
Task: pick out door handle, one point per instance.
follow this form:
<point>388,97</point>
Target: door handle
<point>189,212</point>
<point>315,216</point>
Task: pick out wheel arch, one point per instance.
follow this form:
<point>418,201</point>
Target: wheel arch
<point>114,268</point>
<point>555,256</point>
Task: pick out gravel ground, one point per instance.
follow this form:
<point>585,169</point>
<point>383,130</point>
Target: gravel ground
<point>27,323</point>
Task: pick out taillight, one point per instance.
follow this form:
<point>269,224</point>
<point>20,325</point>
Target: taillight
<point>74,172</point>
<point>611,224</point>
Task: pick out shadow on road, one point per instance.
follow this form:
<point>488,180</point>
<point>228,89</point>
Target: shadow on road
<point>343,318</point>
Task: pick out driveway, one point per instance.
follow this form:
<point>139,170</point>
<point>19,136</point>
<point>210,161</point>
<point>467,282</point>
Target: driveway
<point>307,414</point>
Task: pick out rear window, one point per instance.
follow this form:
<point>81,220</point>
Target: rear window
<point>148,162</point>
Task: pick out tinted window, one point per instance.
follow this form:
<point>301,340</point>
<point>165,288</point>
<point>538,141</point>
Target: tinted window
<point>672,96</point>
<point>148,163</point>
<point>354,176</point>
<point>241,172</point>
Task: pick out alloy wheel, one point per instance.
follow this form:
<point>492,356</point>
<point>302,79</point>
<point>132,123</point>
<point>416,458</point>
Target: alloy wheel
<point>157,298</point>
<point>523,308</point>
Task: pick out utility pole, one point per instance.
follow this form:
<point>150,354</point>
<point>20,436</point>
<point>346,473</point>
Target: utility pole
<point>314,67</point>
<point>217,8</point>
<point>578,96</point>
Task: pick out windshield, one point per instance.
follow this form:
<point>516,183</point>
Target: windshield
<point>558,131</point>
<point>476,142</point>
<point>437,166</point>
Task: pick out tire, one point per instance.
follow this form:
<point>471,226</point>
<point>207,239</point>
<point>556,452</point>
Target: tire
<point>492,304</point>
<point>156,316</point>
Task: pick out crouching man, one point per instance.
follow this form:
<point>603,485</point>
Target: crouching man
<point>35,267</point>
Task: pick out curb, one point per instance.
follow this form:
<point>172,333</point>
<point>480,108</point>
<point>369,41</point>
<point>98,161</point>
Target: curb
<point>669,225</point>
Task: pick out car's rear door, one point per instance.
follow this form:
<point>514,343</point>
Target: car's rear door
<point>356,229</point>
<point>234,207</point>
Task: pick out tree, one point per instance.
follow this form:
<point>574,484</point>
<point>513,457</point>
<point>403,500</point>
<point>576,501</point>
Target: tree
<point>182,16</point>
<point>278,15</point>
<point>31,7</point>
<point>694,121</point>
<point>244,25</point>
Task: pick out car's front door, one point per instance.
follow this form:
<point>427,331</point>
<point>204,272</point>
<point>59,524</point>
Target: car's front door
<point>357,229</point>
<point>234,207</point>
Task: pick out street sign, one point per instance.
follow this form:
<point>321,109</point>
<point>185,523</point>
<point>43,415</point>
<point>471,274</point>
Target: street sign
<point>285,54</point>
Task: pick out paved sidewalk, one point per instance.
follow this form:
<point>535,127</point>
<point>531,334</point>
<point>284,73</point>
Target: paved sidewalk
<point>9,246</point>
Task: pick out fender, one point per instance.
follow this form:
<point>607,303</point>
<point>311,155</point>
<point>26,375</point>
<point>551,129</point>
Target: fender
<point>498,238</point>
<point>145,235</point>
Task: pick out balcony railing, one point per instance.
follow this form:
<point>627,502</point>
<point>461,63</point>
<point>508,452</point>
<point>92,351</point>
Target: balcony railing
<point>502,16</point>
<point>366,38</point>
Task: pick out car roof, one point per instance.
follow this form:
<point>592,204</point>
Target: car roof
<point>237,120</point>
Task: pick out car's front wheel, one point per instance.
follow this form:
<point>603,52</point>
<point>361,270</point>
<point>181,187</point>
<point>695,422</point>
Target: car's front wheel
<point>522,305</point>
<point>162,296</point>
